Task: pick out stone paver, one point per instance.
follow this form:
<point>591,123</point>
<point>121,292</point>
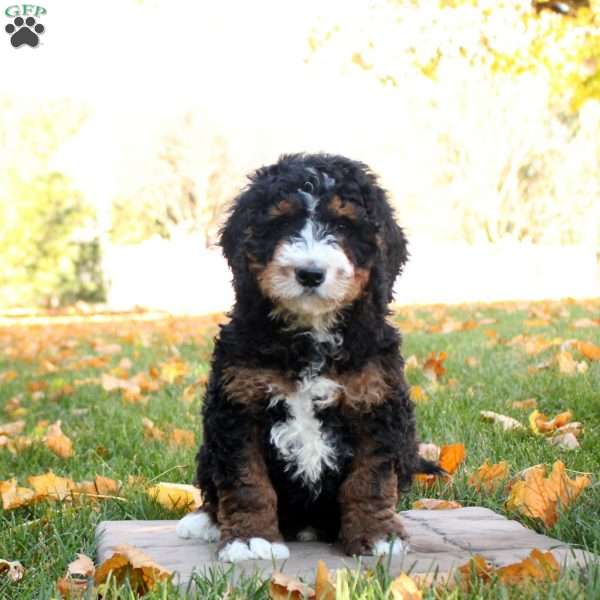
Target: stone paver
<point>439,541</point>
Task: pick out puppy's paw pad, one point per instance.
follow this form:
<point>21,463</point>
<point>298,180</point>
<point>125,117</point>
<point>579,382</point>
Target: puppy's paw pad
<point>267,550</point>
<point>307,535</point>
<point>236,551</point>
<point>383,547</point>
<point>198,525</point>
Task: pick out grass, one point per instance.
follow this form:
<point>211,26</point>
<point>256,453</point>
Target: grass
<point>108,435</point>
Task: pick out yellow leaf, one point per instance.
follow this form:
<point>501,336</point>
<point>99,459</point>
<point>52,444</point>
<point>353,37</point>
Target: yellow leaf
<point>131,563</point>
<point>324,587</point>
<point>417,394</point>
<point>489,477</point>
<point>151,432</point>
<point>176,496</point>
<point>566,363</point>
<point>541,498</point>
<point>405,588</point>
<point>173,370</point>
<point>525,404</point>
<point>435,504</point>
<point>8,376</point>
<point>14,496</point>
<point>541,425</point>
<point>539,566</point>
<point>283,587</point>
<point>51,486</point>
<point>101,486</point>
<point>13,428</point>
<point>472,361</point>
<point>412,362</point>
<point>507,423</point>
<point>13,569</point>
<point>183,437</point>
<point>58,442</point>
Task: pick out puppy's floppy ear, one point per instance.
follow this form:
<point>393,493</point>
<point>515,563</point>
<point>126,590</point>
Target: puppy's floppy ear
<point>394,247</point>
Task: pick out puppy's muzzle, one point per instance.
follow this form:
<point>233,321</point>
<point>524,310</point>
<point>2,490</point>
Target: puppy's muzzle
<point>310,277</point>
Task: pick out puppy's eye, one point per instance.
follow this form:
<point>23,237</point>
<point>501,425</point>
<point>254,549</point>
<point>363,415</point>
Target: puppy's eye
<point>341,227</point>
<point>308,187</point>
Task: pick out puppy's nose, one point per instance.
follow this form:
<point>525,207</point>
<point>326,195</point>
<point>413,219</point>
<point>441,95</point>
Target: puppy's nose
<point>310,277</point>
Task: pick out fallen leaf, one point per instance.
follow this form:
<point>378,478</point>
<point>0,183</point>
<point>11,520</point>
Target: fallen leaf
<point>478,567</point>
<point>451,456</point>
<point>574,427</point>
<point>539,566</point>
<point>14,496</point>
<point>182,437</point>
<point>324,587</point>
<point>8,376</point>
<point>417,394</point>
<point>176,496</point>
<point>525,404</point>
<point>585,322</point>
<point>152,432</point>
<point>541,425</point>
<point>507,423</point>
<point>110,383</point>
<point>566,363</point>
<point>489,476</point>
<point>589,350</point>
<point>430,452</point>
<point>542,498</point>
<point>13,569</point>
<point>13,428</point>
<point>435,504</point>
<point>128,562</point>
<point>404,587</point>
<point>472,361</point>
<point>284,587</point>
<point>51,486</point>
<point>412,362</point>
<point>82,566</point>
<point>101,486</point>
<point>58,442</point>
<point>565,441</point>
<point>173,370</point>
<point>434,368</point>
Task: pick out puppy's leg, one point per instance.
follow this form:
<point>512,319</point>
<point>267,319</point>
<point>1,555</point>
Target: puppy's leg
<point>368,499</point>
<point>247,513</point>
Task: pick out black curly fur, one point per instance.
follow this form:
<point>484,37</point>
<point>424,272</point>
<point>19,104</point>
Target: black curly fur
<point>255,339</point>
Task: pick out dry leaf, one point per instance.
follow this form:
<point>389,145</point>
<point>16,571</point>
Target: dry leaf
<point>101,486</point>
<point>525,404</point>
<point>14,496</point>
<point>51,486</point>
<point>13,569</point>
<point>541,498</point>
<point>417,394</point>
<point>565,441</point>
<point>111,383</point>
<point>152,432</point>
<point>589,350</point>
<point>472,361</point>
<point>539,566</point>
<point>13,428</point>
<point>183,437</point>
<point>176,496</point>
<point>566,363</point>
<point>435,504</point>
<point>479,567</point>
<point>430,452</point>
<point>489,477</point>
<point>507,423</point>
<point>434,368</point>
<point>173,370</point>
<point>574,427</point>
<point>8,376</point>
<point>405,588</point>
<point>451,456</point>
<point>131,563</point>
<point>82,566</point>
<point>324,587</point>
<point>283,587</point>
<point>412,362</point>
<point>58,442</point>
<point>541,425</point>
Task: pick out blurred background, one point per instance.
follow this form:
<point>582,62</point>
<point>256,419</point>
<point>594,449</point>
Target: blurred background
<point>128,130</point>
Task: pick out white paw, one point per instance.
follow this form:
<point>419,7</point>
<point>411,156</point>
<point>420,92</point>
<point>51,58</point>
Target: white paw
<point>198,525</point>
<point>382,547</point>
<point>269,550</point>
<point>307,535</point>
<point>236,551</point>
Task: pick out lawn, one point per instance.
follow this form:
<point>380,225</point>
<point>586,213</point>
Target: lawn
<point>62,368</point>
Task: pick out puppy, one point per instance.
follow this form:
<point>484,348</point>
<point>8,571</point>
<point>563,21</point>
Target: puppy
<point>309,431</point>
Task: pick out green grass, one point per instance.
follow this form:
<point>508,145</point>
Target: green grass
<point>108,436</point>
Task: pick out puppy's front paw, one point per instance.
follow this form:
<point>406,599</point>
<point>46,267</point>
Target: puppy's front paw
<point>198,525</point>
<point>384,547</point>
<point>255,548</point>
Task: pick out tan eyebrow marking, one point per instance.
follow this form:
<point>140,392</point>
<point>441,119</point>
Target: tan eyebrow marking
<point>283,207</point>
<point>343,209</point>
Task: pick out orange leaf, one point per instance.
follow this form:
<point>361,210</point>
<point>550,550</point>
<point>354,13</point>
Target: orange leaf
<point>283,587</point>
<point>183,437</point>
<point>589,350</point>
<point>324,588</point>
<point>541,425</point>
<point>14,496</point>
<point>489,477</point>
<point>541,498</point>
<point>51,486</point>
<point>435,504</point>
<point>405,588</point>
<point>173,370</point>
<point>478,567</point>
<point>540,566</point>
<point>13,428</point>
<point>176,496</point>
<point>434,366</point>
<point>451,456</point>
<point>131,563</point>
<point>58,442</point>
<point>151,432</point>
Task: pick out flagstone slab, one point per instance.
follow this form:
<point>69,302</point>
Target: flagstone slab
<point>439,541</point>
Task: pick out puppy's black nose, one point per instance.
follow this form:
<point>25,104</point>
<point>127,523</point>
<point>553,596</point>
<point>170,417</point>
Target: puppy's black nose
<point>310,277</point>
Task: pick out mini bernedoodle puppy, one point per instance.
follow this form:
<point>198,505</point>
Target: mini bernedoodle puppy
<point>309,431</point>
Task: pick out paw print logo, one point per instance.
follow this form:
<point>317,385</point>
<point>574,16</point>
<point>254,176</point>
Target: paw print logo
<point>24,32</point>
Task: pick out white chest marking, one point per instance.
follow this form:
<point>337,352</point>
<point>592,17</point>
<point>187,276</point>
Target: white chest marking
<point>300,440</point>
